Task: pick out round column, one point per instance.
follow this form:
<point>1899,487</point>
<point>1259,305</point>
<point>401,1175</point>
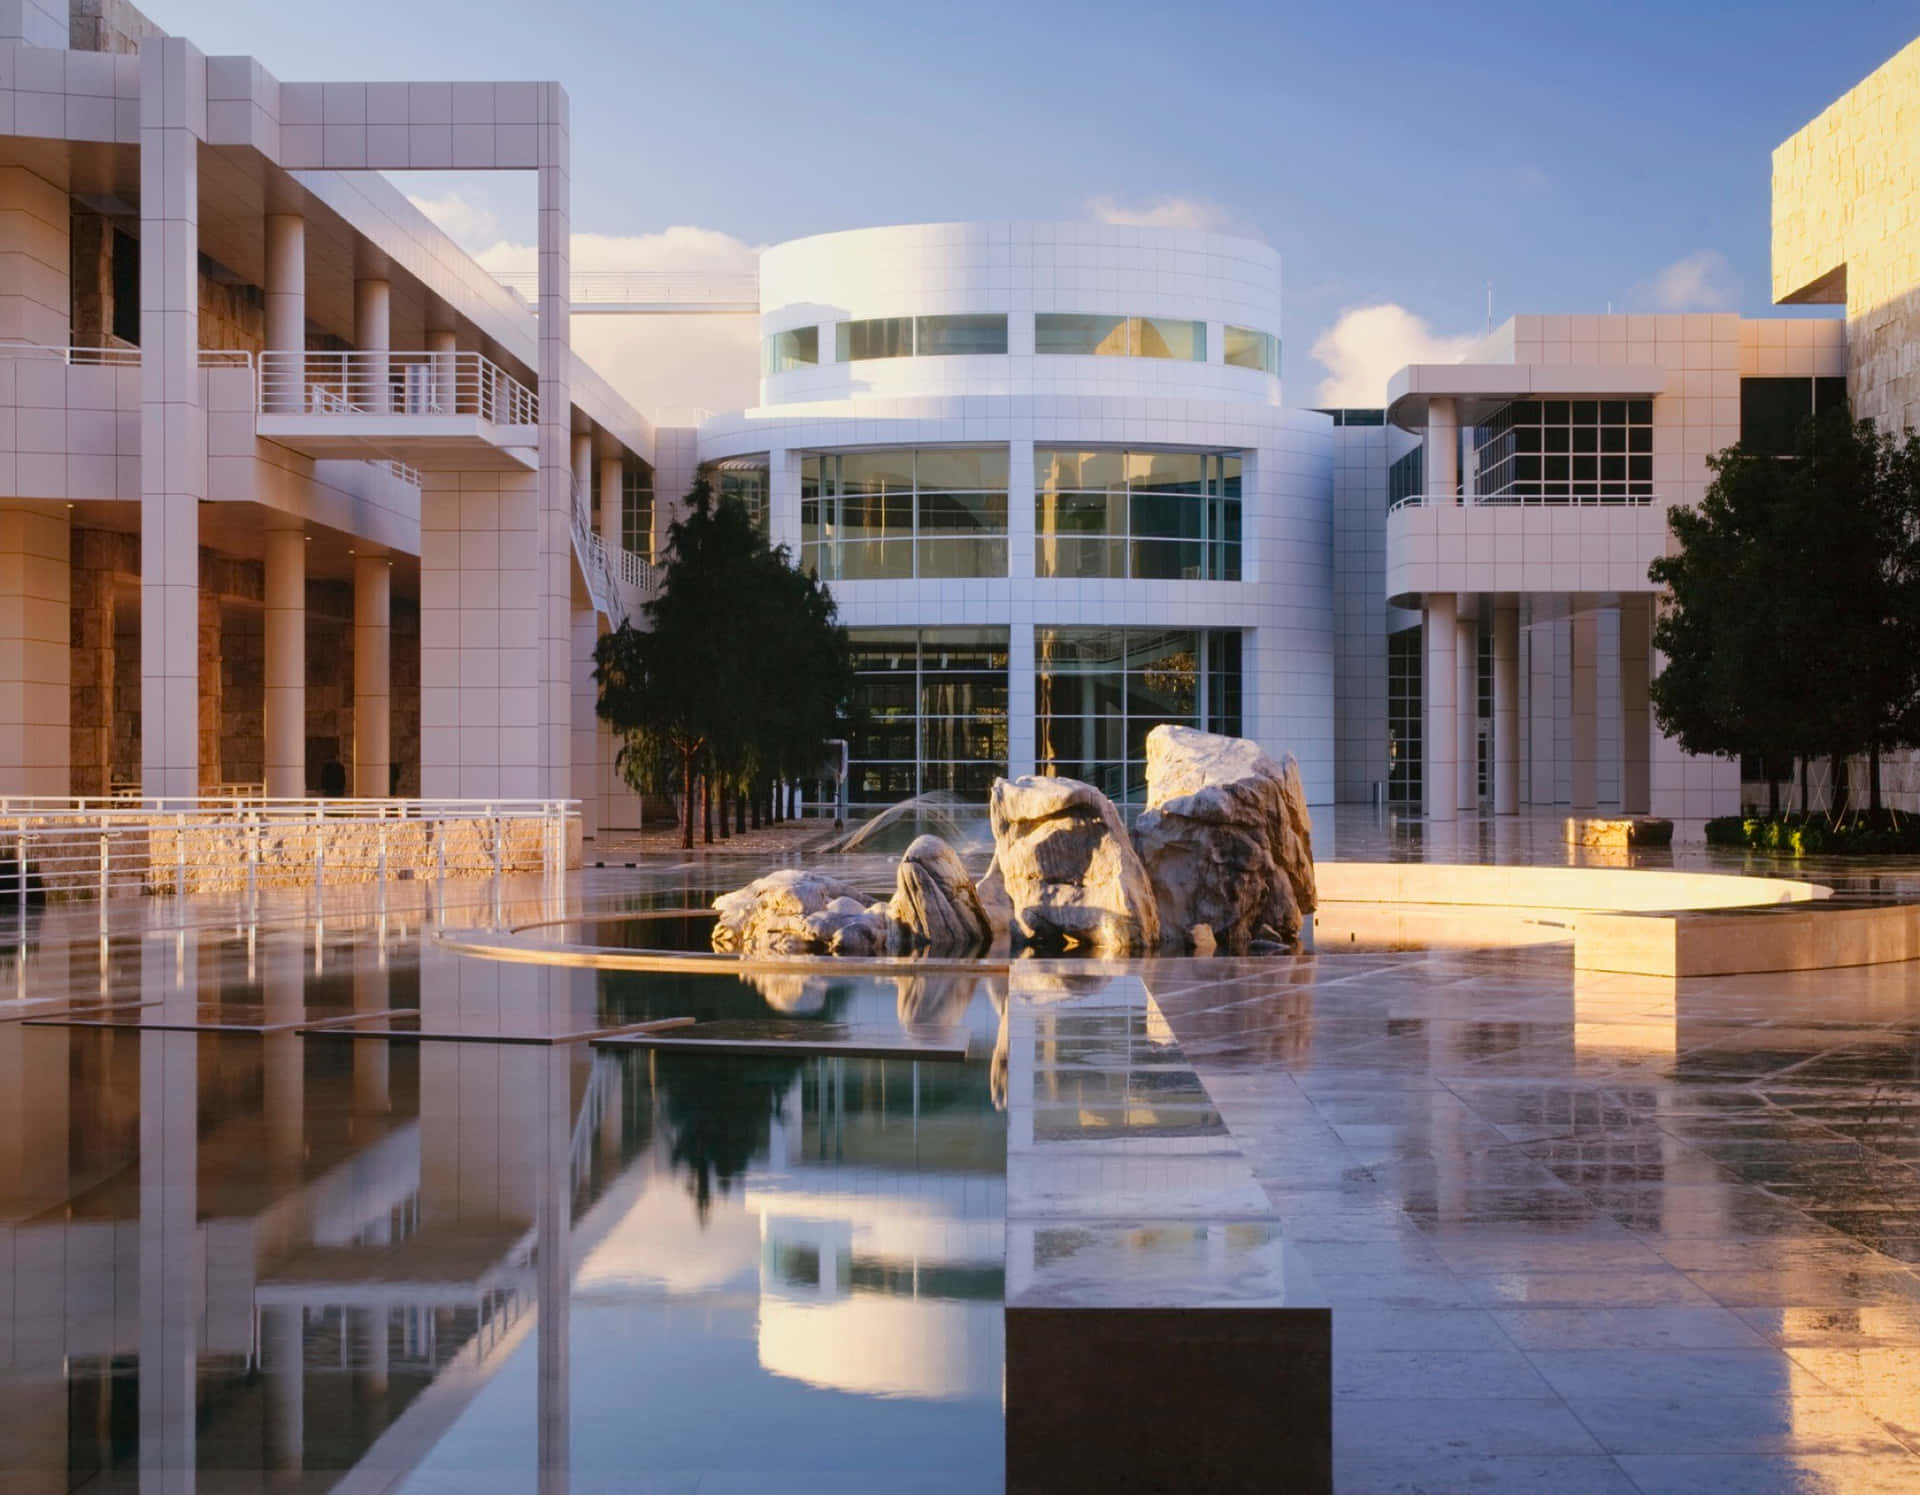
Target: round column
<point>372,302</point>
<point>286,664</point>
<point>1442,450</point>
<point>608,522</point>
<point>582,466</point>
<point>286,310</point>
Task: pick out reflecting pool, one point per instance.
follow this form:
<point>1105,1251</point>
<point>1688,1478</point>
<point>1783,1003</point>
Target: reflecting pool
<point>249,1233</point>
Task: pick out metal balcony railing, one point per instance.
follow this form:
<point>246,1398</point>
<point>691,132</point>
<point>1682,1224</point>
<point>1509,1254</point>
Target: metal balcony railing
<point>122,358</point>
<point>359,382</point>
<point>238,843</point>
<point>1528,500</point>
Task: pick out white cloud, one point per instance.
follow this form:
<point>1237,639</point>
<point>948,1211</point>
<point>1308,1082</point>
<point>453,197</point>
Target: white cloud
<point>1368,345</point>
<point>1172,212</point>
<point>1702,281</point>
<point>469,225</point>
<point>658,363</point>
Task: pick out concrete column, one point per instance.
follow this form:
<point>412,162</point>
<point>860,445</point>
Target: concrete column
<point>1440,739</point>
<point>372,675</point>
<point>554,583</point>
<point>440,343</point>
<point>287,307</point>
<point>1583,721</point>
<point>1021,703</point>
<point>173,421</point>
<point>606,519</point>
<point>1636,712</point>
<point>283,1363</point>
<point>36,650</point>
<point>285,726</point>
<point>372,335</point>
<point>1466,695</point>
<point>1443,449</point>
<point>1506,708</point>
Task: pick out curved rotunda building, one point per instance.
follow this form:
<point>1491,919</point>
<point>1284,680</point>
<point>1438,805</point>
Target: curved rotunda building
<point>1046,470</point>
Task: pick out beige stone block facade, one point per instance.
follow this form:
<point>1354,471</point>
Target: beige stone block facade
<point>1846,230</point>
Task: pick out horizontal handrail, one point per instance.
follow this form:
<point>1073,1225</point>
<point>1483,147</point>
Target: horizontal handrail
<point>240,799</point>
<point>394,382</point>
<point>1515,500</point>
<point>115,357</point>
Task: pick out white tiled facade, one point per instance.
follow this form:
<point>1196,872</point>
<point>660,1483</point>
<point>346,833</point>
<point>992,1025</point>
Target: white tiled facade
<point>1282,606</point>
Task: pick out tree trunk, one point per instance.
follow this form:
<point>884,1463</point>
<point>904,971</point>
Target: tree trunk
<point>686,790</point>
<point>740,798</point>
<point>1873,779</point>
<point>726,790</point>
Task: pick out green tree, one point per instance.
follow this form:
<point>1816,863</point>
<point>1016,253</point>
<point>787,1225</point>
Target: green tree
<point>742,670</point>
<point>1792,626</point>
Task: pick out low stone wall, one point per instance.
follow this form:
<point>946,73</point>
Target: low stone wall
<point>211,853</point>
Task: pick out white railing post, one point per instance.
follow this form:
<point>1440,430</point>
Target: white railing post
<point>496,865</point>
<point>253,868</point>
<point>103,881</point>
<point>180,866</point>
<point>383,867</point>
<point>319,870</point>
<point>440,875</point>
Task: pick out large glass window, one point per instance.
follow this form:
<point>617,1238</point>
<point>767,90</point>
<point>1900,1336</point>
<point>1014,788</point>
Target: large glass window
<point>1159,516</point>
<point>1560,450</point>
<point>744,480</point>
<point>1248,348</point>
<point>1407,476</point>
<point>971,333</point>
<point>1119,337</point>
<point>930,713</point>
<point>876,337</point>
<point>924,337</point>
<point>1404,716</point>
<point>1098,692</point>
<point>1772,411</point>
<point>897,513</point>
<point>780,351</point>
<point>636,510</point>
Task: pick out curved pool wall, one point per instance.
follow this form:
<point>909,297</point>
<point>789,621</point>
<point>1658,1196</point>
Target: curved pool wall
<point>1015,401</point>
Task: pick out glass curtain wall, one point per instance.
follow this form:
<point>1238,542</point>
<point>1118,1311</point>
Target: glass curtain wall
<point>1157,516</point>
<point>743,479</point>
<point>900,513</point>
<point>1084,334</point>
<point>920,337</point>
<point>1098,692</point>
<point>930,713</point>
<point>780,351</point>
<point>1556,451</point>
<point>1249,348</point>
<point>636,511</point>
<point>1404,719</point>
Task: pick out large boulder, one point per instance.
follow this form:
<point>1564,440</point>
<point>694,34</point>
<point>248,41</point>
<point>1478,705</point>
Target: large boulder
<point>1071,876</point>
<point>935,906</point>
<point>791,912</point>
<point>1226,839</point>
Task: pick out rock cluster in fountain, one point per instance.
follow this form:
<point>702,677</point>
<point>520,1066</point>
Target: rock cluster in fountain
<point>1221,858</point>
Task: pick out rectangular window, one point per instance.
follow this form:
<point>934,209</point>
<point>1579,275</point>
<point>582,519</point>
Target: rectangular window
<point>896,513</point>
<point>931,709</point>
<point>126,287</point>
<point>972,333</point>
<point>1098,692</point>
<point>1248,349</point>
<point>792,349</point>
<point>1163,337</point>
<point>1162,516</point>
<point>876,337</point>
<point>1772,411</point>
<point>1404,719</point>
<point>1071,332</point>
<point>636,511</point>
<point>1565,451</point>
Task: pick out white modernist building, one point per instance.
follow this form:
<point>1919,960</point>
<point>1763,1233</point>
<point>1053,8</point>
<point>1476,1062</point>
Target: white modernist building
<point>1049,474</point>
<point>295,497</point>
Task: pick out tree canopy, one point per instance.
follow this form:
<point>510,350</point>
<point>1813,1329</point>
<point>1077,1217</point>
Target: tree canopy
<point>1793,625</point>
<point>742,673</point>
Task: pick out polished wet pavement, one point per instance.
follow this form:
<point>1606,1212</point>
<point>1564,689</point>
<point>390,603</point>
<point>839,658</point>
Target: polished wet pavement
<point>1577,1232</point>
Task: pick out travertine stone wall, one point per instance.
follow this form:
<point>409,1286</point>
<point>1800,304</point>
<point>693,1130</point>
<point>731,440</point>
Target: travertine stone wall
<point>210,683</point>
<point>1846,229</point>
<point>243,692</point>
<point>105,565</point>
<point>329,677</point>
<point>232,313</point>
<point>107,26</point>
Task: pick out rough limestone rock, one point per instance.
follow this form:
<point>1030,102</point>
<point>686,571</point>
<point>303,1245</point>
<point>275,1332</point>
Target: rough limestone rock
<point>1070,873</point>
<point>935,907</point>
<point>1226,839</point>
<point>992,890</point>
<point>791,912</point>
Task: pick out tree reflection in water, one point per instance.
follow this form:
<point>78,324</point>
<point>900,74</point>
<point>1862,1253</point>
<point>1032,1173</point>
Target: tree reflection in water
<point>719,1113</point>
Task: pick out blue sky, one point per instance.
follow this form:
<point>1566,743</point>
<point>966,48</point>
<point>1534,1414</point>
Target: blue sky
<point>1405,154</point>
